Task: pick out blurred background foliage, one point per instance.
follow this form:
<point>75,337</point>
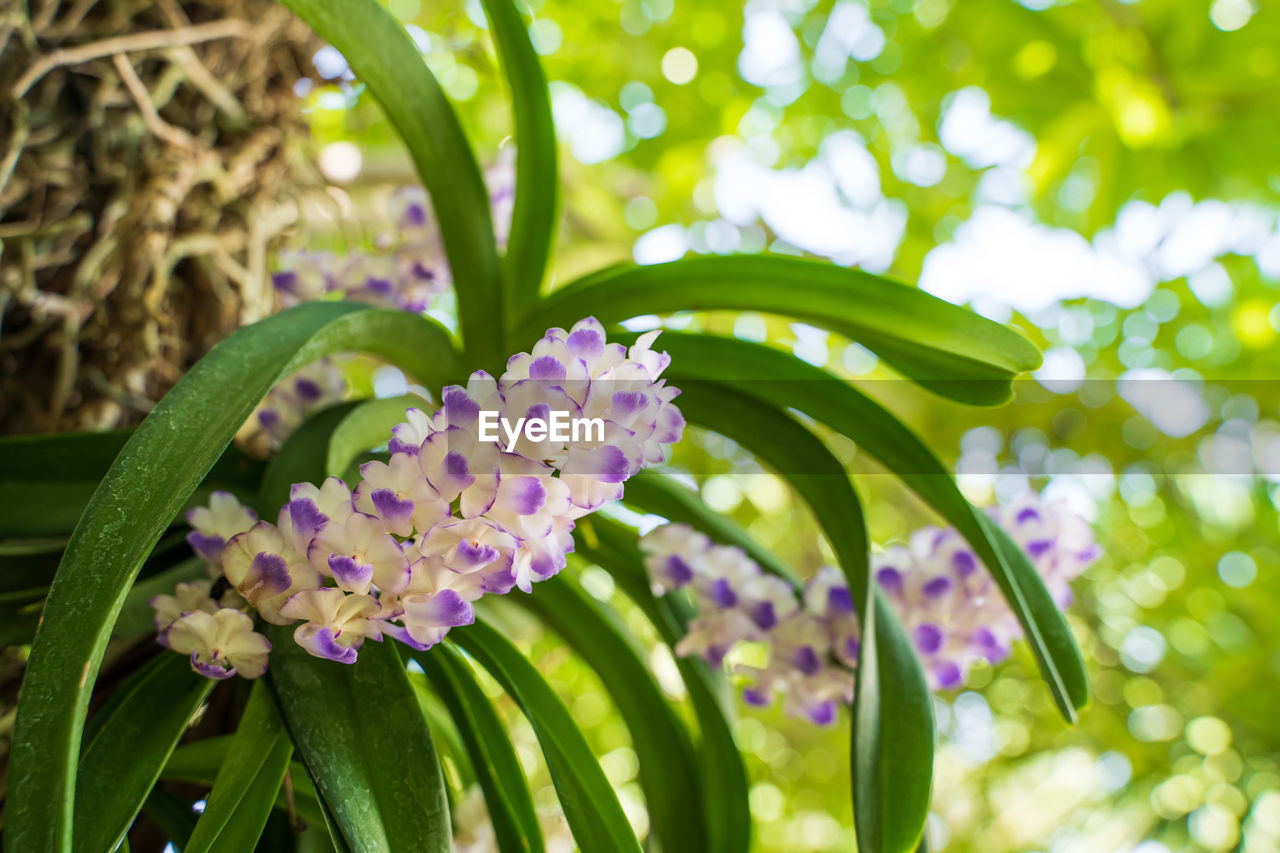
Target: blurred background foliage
<point>1101,174</point>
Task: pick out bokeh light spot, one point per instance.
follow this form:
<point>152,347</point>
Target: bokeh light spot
<point>679,65</point>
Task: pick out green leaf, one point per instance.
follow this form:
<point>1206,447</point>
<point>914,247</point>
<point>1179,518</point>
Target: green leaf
<point>497,768</point>
<point>172,814</point>
<point>725,791</point>
<point>360,732</point>
<point>537,201</point>
<point>589,802</point>
<point>62,458</point>
<point>784,381</point>
<point>444,732</point>
<point>198,763</point>
<point>949,350</point>
<point>237,808</point>
<point>881,823</point>
<point>128,744</point>
<point>158,468</point>
<point>331,827</point>
<point>46,481</point>
<point>891,783</point>
<point>366,426</point>
<point>386,60</point>
<point>668,768</point>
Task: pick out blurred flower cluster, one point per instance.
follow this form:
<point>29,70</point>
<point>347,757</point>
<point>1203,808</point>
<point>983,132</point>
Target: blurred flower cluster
<point>314,387</point>
<point>738,602</point>
<point>407,269</point>
<point>946,600</point>
<point>447,518</point>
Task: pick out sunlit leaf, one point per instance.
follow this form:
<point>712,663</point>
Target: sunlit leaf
<point>301,458</point>
<point>725,791</point>
<point>658,494</point>
<point>668,768</point>
<point>365,427</point>
<point>947,349</point>
<point>537,202</point>
<point>892,782</point>
<point>774,377</point>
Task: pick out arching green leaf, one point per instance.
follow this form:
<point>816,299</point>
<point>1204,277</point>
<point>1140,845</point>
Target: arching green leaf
<point>590,805</point>
<point>892,781</point>
<point>497,768</point>
<point>537,202</point>
<point>781,380</point>
<point>949,350</point>
<point>386,60</point>
<point>366,426</point>
<point>725,792</point>
<point>668,768</point>
<point>655,493</point>
<point>301,458</point>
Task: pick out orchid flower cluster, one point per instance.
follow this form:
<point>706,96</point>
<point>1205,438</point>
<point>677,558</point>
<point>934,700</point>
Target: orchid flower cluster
<point>447,518</point>
<point>947,601</point>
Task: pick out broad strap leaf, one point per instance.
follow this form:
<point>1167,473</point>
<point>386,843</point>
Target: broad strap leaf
<point>366,744</point>
<point>786,382</point>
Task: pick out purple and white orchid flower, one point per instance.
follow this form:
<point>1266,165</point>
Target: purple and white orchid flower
<point>220,644</point>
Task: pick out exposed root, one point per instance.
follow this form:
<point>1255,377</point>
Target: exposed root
<point>146,170</point>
